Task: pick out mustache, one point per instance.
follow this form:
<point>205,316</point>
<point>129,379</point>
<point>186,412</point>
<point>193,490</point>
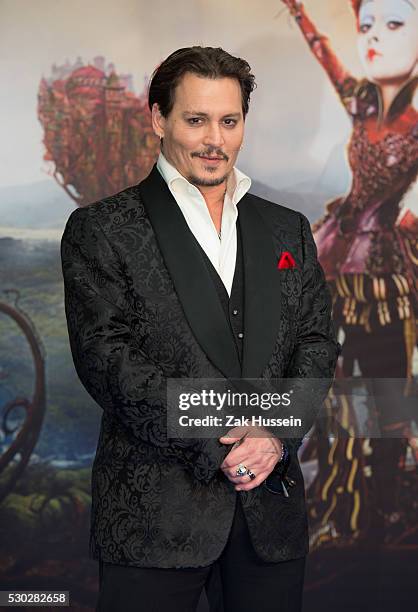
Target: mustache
<point>212,153</point>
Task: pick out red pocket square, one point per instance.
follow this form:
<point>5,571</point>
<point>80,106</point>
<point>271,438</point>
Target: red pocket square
<point>286,261</point>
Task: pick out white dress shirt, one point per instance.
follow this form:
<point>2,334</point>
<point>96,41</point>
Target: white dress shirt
<point>221,252</point>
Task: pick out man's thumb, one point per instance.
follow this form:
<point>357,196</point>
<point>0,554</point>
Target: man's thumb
<point>228,440</point>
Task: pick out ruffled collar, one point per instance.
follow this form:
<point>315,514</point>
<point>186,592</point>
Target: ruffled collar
<point>369,100</point>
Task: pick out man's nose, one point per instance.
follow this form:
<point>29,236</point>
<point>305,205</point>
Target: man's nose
<point>214,135</point>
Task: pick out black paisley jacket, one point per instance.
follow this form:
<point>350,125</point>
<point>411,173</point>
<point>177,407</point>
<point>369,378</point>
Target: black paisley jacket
<point>141,307</point>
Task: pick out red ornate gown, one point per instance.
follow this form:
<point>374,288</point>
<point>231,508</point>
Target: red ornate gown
<point>369,259</point>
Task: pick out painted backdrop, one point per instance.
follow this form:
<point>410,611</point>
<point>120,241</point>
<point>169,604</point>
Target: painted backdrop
<point>75,127</point>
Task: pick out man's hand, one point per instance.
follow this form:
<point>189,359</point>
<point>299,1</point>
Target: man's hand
<point>259,454</point>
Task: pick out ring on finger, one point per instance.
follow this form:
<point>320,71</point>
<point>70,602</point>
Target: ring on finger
<point>241,470</point>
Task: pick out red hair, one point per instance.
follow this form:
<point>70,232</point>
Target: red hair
<point>356,6</point>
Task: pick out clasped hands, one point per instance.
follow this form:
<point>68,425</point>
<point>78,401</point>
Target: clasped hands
<point>259,454</point>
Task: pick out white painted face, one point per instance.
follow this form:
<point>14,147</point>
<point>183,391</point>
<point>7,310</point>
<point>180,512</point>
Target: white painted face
<point>388,39</point>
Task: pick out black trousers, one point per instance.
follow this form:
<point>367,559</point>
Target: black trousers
<point>248,584</point>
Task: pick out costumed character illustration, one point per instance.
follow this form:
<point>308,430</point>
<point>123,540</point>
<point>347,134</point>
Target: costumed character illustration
<point>367,244</point>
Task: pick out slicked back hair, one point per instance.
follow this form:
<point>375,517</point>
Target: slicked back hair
<point>209,62</point>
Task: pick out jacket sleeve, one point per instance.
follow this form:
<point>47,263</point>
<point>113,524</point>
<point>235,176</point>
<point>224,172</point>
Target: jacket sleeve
<point>316,351</point>
<point>105,340</point>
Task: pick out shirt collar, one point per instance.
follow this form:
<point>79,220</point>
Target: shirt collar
<point>237,183</point>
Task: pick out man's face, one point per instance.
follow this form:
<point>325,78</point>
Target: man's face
<point>206,121</point>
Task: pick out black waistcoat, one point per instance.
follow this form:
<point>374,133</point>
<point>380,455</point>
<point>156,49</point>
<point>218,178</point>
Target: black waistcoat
<point>233,305</point>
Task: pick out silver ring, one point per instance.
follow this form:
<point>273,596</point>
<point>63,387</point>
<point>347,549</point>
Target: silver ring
<point>241,470</point>
<point>251,474</point>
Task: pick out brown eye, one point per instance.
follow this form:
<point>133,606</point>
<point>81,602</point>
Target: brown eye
<point>365,27</point>
<point>394,25</point>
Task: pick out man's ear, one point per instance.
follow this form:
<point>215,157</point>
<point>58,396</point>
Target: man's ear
<point>158,121</point>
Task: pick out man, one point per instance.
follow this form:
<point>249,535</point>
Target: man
<point>178,277</point>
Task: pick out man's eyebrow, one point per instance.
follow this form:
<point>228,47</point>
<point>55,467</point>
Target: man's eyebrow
<point>199,114</point>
